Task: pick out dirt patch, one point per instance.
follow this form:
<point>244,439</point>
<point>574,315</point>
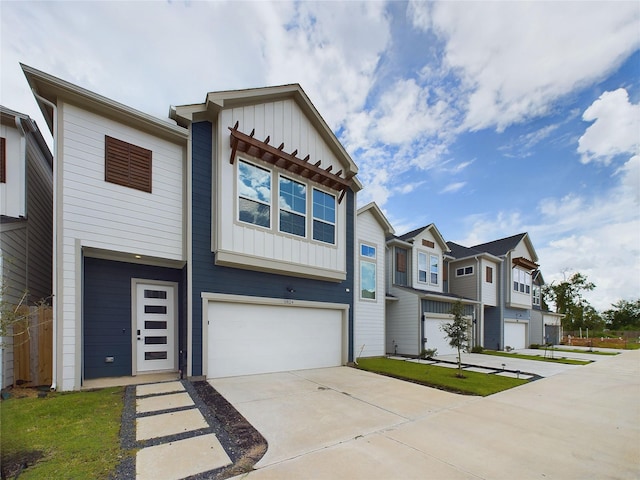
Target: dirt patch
<point>249,443</point>
<point>14,464</point>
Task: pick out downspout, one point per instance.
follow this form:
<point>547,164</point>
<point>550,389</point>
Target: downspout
<point>54,283</point>
<point>478,317</point>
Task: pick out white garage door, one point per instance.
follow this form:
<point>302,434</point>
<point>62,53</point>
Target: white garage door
<point>515,335</point>
<point>247,339</point>
<point>436,338</point>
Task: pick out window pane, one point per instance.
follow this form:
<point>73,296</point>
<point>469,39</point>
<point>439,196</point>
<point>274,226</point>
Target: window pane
<point>155,309</point>
<point>368,280</point>
<point>254,182</point>
<point>292,223</point>
<point>293,196</point>
<point>367,251</point>
<point>155,294</point>
<point>434,269</point>
<point>323,232</point>
<point>324,206</point>
<point>254,212</point>
<point>468,271</point>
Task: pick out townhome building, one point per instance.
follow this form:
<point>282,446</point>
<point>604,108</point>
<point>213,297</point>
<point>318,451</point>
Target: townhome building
<point>25,222</point>
<point>217,242</point>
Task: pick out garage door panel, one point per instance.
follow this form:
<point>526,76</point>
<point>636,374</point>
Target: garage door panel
<point>436,338</point>
<point>515,335</point>
<point>247,339</point>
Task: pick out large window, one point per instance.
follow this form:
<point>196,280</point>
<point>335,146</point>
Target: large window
<point>521,281</point>
<point>293,207</point>
<point>488,275</point>
<point>254,194</point>
<point>324,217</point>
<point>537,295</point>
<point>127,165</point>
<point>367,272</point>
<point>422,267</point>
<point>434,269</point>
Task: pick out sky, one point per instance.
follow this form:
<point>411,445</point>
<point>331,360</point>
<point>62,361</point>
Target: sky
<point>487,119</point>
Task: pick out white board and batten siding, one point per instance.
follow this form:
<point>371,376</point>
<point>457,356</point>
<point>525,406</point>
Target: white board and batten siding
<point>13,191</point>
<point>489,295</point>
<point>244,244</point>
<point>403,323</point>
<point>370,313</point>
<point>517,299</point>
<point>420,247</point>
<point>107,216</point>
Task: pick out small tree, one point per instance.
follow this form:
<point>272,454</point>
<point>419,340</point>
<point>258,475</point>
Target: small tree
<point>457,331</point>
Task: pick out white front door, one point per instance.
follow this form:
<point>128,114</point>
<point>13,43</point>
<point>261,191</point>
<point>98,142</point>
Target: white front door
<point>155,327</point>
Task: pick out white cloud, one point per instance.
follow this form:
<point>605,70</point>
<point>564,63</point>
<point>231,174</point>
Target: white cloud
<point>615,129</point>
<point>516,59</point>
<point>453,187</point>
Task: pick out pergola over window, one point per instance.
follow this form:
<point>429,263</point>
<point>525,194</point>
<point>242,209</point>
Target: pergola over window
<point>241,142</point>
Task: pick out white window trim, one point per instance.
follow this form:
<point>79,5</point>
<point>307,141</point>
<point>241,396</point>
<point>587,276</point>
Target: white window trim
<point>239,196</point>
<point>437,273</point>
<point>375,251</point>
<point>418,270</point>
<point>464,271</point>
<point>369,261</point>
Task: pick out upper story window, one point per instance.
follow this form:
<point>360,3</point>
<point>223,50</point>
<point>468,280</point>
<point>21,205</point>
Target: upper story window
<point>254,194</point>
<point>3,160</point>
<point>537,295</point>
<point>521,281</point>
<point>461,272</point>
<point>293,207</point>
<point>422,267</point>
<point>127,165</point>
<point>400,273</point>
<point>367,272</point>
<point>324,216</point>
<point>488,275</point>
<point>434,269</point>
<point>367,251</point>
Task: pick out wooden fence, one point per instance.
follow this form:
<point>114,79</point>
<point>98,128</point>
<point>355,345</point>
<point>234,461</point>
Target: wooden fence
<point>33,347</point>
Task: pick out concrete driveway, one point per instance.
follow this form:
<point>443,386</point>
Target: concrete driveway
<point>345,423</point>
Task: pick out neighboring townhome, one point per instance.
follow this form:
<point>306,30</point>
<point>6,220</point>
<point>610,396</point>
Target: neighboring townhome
<point>272,224</point>
<point>25,221</point>
<point>501,268</point>
<point>120,242</point>
<point>419,301</point>
<point>370,313</point>
<point>546,326</point>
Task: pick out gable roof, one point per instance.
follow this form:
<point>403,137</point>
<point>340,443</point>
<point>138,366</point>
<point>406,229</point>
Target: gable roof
<point>216,101</point>
<point>410,236</point>
<point>459,252</point>
<point>503,246</point>
<point>47,88</point>
<point>27,124</point>
<point>379,216</point>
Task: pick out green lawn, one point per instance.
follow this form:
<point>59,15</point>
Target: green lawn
<point>568,361</point>
<point>474,383</point>
<point>77,433</point>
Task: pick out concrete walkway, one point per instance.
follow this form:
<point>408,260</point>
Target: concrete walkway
<point>180,442</point>
<point>336,423</point>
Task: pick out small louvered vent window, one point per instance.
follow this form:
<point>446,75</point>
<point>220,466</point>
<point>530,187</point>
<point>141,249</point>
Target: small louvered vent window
<point>3,160</point>
<point>127,164</point>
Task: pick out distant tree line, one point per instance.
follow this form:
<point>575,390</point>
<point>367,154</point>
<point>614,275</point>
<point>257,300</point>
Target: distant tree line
<point>568,298</point>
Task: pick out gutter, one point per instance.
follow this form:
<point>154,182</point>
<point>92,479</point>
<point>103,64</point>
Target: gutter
<point>54,283</point>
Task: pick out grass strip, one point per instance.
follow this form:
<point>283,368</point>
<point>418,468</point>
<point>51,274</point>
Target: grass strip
<point>77,433</point>
<point>575,350</point>
<point>473,383</point>
<point>567,361</point>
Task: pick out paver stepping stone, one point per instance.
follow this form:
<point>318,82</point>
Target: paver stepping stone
<point>163,402</point>
<point>180,459</point>
<point>155,388</point>
<point>480,369</point>
<point>523,376</point>
<point>166,424</point>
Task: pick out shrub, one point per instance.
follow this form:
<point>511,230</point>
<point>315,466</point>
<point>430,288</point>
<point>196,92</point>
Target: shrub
<point>477,349</point>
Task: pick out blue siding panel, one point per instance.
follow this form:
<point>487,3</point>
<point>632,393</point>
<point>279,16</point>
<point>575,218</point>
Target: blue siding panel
<point>208,277</point>
<point>107,313</point>
<point>492,328</point>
